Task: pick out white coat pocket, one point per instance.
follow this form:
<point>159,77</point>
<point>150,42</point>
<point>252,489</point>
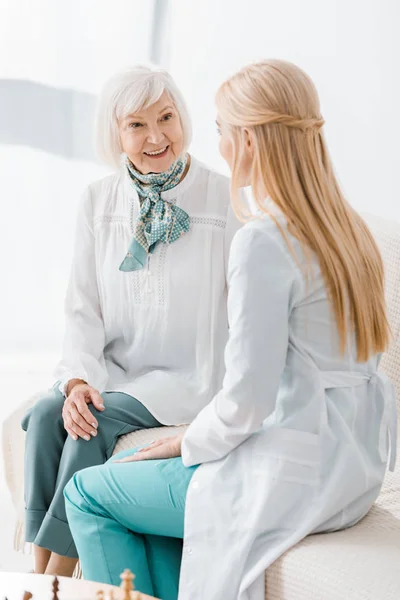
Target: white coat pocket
<point>288,455</point>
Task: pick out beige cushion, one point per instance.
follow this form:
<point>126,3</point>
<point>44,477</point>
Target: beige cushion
<point>145,436</point>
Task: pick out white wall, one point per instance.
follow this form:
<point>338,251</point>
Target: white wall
<point>58,54</point>
<point>351,48</point>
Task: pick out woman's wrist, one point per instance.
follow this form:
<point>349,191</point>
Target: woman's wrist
<point>71,384</point>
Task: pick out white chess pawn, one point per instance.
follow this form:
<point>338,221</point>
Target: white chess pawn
<point>127,584</point>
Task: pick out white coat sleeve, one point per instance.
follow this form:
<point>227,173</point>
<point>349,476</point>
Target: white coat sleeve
<point>232,226</point>
<point>84,339</point>
<point>261,278</point>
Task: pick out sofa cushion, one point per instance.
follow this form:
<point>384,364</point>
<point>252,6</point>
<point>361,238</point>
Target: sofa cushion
<point>143,437</point>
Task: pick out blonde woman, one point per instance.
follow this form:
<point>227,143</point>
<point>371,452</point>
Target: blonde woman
<point>146,312</point>
<point>296,440</point>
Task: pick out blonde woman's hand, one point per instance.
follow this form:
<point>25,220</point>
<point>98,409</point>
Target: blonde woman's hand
<point>169,447</point>
<point>78,420</point>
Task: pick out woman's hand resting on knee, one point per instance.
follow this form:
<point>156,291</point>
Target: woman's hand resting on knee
<point>78,420</point>
<point>169,447</point>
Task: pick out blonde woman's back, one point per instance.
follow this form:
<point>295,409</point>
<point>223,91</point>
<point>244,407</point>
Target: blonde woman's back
<point>318,460</point>
<point>275,104</point>
<point>313,340</point>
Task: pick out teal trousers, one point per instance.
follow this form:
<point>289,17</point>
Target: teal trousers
<point>52,457</point>
<point>131,516</point>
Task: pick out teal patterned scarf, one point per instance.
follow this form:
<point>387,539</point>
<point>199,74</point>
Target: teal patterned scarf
<point>159,220</point>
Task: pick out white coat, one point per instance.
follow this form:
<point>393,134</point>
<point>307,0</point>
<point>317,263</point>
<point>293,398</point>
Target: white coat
<point>296,441</point>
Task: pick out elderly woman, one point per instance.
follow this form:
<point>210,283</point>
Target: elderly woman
<point>146,316</point>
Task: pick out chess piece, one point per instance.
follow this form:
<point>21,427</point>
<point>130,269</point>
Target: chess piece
<point>27,596</point>
<point>127,578</point>
<point>55,588</point>
<point>99,595</point>
<point>127,586</point>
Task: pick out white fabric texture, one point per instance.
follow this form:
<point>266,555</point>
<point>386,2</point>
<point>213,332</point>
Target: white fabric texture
<point>361,563</point>
<point>157,334</point>
<point>357,564</point>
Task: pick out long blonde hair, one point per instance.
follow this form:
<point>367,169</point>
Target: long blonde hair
<point>278,105</point>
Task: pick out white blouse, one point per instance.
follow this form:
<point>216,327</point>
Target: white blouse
<point>157,334</point>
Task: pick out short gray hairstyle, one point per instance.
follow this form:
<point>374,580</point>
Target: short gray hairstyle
<point>128,92</point>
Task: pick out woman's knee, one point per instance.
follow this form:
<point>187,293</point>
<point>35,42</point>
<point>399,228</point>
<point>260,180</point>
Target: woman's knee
<point>71,493</point>
<point>82,489</point>
<point>47,410</point>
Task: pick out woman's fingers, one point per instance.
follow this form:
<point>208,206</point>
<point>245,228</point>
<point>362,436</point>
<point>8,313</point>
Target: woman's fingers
<point>156,444</point>
<point>71,433</point>
<point>139,456</point>
<point>78,419</point>
<point>76,416</point>
<point>96,399</point>
<point>152,445</point>
<point>157,450</point>
<point>82,407</point>
<point>71,426</point>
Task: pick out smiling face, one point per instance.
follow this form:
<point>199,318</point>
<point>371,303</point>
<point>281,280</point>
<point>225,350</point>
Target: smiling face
<point>152,138</point>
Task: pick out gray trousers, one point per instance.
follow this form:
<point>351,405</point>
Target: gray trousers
<point>52,458</point>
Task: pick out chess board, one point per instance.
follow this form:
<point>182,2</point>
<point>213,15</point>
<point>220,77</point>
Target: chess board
<point>13,586</point>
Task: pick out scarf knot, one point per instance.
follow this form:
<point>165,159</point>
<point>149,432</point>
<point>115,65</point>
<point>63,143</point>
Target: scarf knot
<point>159,220</point>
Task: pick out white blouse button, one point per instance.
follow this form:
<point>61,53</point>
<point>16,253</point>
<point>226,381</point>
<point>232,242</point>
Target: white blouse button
<point>189,550</point>
<point>195,485</point>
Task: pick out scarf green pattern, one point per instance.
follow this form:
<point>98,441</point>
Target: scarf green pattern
<point>159,220</point>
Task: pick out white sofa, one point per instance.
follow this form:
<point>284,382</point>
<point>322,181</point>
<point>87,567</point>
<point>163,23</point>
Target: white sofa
<point>362,563</point>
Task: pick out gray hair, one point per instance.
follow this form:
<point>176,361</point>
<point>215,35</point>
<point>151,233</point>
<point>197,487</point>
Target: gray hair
<point>128,92</point>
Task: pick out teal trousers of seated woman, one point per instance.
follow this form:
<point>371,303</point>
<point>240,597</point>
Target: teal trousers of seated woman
<point>52,458</point>
<point>131,515</point>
